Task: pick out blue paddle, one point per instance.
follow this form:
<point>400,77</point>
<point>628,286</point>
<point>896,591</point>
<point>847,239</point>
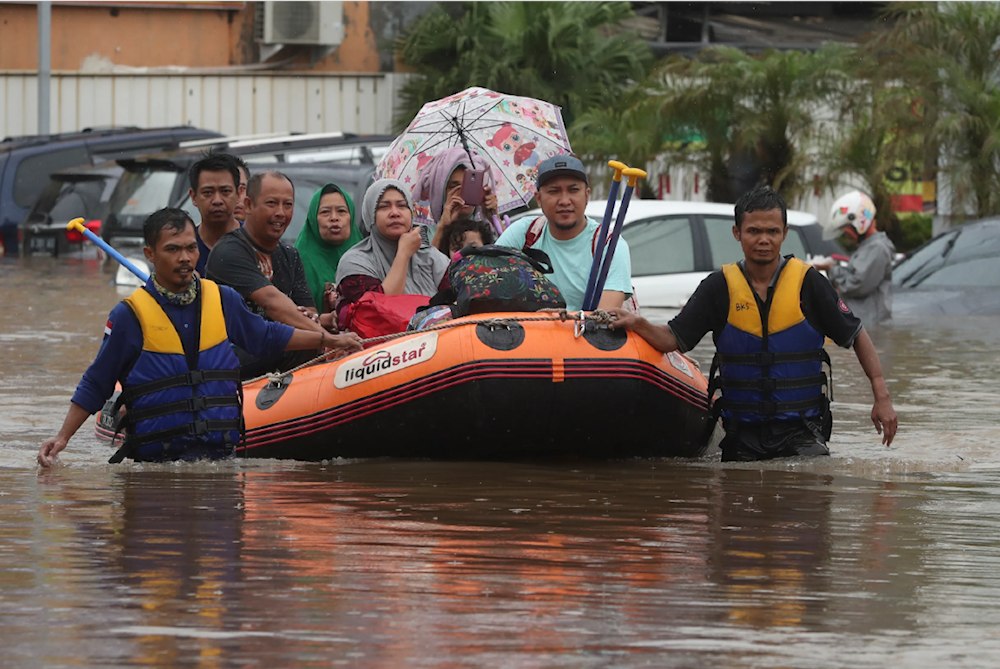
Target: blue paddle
<point>77,224</point>
<point>633,174</point>
<point>602,236</point>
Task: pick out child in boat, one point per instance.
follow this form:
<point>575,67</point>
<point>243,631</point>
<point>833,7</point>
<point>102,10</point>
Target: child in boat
<point>464,231</point>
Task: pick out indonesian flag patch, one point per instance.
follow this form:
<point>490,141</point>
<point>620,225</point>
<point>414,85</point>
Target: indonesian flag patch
<point>107,327</point>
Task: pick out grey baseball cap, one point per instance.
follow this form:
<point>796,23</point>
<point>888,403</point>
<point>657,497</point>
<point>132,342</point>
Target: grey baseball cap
<point>564,165</point>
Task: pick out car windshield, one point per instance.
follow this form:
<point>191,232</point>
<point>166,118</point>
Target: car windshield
<point>33,173</point>
<point>77,198</point>
<point>960,258</point>
<point>143,192</point>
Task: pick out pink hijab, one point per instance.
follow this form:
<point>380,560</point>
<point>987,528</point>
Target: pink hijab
<point>434,177</point>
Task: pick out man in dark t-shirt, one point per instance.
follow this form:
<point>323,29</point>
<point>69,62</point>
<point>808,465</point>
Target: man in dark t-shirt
<point>265,271</point>
<point>769,316</point>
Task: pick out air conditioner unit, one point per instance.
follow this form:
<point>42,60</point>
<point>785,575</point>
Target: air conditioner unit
<point>315,23</point>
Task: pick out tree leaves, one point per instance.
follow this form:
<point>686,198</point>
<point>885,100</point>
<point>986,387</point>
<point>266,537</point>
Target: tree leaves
<point>568,54</point>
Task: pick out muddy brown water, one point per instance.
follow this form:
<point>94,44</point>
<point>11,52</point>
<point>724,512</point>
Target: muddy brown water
<point>867,558</point>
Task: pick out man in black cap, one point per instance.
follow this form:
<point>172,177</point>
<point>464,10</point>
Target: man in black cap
<point>566,234</point>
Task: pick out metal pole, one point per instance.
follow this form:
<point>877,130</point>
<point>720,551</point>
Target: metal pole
<point>44,64</point>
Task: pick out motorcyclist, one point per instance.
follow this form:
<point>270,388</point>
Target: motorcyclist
<point>865,283</point>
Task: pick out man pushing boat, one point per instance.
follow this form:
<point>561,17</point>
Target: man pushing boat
<point>769,316</point>
<point>168,344</point>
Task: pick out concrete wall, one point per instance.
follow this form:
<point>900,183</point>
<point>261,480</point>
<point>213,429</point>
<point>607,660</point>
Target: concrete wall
<point>227,102</point>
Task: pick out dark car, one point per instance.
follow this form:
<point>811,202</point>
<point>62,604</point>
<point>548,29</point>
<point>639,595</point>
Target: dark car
<point>27,162</point>
<point>76,193</point>
<point>151,182</point>
<point>955,274</point>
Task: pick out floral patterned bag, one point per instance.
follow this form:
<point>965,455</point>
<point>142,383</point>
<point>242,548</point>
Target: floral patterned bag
<point>496,278</point>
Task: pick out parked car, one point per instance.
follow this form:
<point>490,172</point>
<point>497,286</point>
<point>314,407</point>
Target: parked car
<point>155,181</point>
<point>86,192</point>
<point>955,274</point>
<point>675,245</point>
<point>27,162</point>
<point>75,193</point>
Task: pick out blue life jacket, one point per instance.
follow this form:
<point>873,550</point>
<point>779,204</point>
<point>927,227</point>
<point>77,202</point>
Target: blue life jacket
<point>181,404</point>
<point>770,362</point>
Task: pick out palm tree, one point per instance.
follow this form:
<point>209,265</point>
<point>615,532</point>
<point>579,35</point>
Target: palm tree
<point>753,114</point>
<point>877,130</point>
<point>947,51</point>
<point>568,54</point>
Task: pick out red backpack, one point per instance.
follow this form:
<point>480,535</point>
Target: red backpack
<point>534,233</point>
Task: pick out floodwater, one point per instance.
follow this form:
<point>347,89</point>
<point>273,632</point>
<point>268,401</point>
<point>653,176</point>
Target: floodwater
<point>868,558</point>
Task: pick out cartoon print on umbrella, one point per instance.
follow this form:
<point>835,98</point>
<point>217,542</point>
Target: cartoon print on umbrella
<point>513,134</point>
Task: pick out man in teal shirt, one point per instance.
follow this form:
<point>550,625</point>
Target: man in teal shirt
<point>566,234</point>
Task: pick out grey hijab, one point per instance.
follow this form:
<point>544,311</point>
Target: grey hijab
<point>373,256</point>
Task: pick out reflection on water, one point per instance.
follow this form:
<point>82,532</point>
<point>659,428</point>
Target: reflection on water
<point>870,557</point>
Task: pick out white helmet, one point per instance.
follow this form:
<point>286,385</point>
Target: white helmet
<point>854,209</point>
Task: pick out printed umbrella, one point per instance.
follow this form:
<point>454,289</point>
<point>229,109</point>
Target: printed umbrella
<point>512,133</point>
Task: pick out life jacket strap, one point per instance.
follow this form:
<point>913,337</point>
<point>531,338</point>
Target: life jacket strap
<point>771,408</point>
<point>194,429</point>
<point>193,378</point>
<point>771,384</point>
<point>192,404</point>
<point>769,359</point>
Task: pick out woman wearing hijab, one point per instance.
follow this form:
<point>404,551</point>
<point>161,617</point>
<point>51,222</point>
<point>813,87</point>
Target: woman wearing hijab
<point>394,259</point>
<point>440,182</point>
<point>328,234</point>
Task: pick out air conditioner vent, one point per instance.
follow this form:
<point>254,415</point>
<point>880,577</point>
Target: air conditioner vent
<point>311,23</point>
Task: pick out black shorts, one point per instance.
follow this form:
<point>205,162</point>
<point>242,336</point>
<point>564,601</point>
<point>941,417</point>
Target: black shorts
<point>746,442</point>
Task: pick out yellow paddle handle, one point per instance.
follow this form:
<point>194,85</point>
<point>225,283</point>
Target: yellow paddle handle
<point>618,168</point>
<point>633,174</point>
<point>76,224</point>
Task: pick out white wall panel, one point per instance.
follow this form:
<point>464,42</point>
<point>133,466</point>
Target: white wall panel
<point>229,103</point>
<point>333,116</point>
<point>104,93</point>
<point>367,104</point>
<point>349,105</point>
<point>193,101</point>
<point>269,104</point>
<point>314,103</point>
<point>13,106</point>
<point>85,102</point>
<point>245,104</point>
<point>66,105</point>
<point>297,104</point>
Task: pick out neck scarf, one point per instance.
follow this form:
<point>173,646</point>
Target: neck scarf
<point>373,257</point>
<point>320,257</point>
<point>179,299</point>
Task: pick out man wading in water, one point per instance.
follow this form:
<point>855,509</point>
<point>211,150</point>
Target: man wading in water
<point>168,344</point>
<point>769,316</point>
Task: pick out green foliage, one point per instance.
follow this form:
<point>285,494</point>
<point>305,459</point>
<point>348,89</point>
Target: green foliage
<point>947,52</point>
<point>568,54</point>
<point>914,230</point>
<point>751,111</point>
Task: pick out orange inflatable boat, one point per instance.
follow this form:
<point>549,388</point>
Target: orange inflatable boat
<point>502,389</point>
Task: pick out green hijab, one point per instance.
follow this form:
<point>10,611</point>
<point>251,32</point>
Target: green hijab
<point>320,257</point>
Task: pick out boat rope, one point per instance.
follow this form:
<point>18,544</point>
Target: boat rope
<point>598,316</point>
